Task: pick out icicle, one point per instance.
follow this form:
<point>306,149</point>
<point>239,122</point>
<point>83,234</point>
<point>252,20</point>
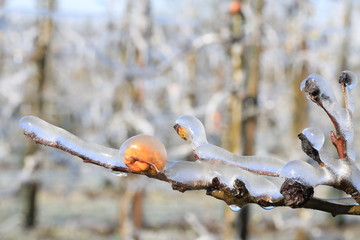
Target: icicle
<point>234,208</point>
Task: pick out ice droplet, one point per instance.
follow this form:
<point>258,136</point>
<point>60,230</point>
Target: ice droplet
<point>315,136</point>
<point>268,207</point>
<point>234,208</point>
<point>118,174</point>
<point>349,79</point>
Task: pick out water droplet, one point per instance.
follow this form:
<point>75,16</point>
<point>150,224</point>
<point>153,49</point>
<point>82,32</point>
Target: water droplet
<point>268,207</point>
<point>349,79</point>
<point>315,136</point>
<point>119,174</point>
<point>234,208</point>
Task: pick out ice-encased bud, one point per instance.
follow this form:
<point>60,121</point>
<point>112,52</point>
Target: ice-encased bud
<point>348,79</point>
<point>191,129</point>
<point>315,137</point>
<point>143,152</point>
<point>316,88</point>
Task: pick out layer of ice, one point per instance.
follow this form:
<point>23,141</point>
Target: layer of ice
<point>195,129</point>
<point>204,172</point>
<point>306,173</point>
<point>215,154</point>
<point>315,136</point>
<point>53,135</point>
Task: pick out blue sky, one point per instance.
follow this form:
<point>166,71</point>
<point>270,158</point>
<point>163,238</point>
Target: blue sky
<point>323,8</point>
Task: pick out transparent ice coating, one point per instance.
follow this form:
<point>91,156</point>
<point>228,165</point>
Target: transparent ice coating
<point>315,136</point>
<point>215,154</point>
<point>53,135</point>
<point>195,129</point>
<point>186,172</point>
<point>306,173</point>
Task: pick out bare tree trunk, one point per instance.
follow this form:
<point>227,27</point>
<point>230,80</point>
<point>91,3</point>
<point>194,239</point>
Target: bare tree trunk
<point>232,140</point>
<point>36,98</point>
<point>250,102</point>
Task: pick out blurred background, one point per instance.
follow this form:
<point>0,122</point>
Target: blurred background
<point>106,70</point>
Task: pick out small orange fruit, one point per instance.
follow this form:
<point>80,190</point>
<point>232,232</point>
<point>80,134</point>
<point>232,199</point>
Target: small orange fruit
<point>143,152</point>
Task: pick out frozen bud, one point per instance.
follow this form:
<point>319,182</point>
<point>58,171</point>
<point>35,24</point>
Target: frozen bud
<point>295,193</point>
<point>315,136</point>
<point>308,148</point>
<point>191,129</point>
<point>316,88</point>
<point>143,152</point>
<point>348,79</point>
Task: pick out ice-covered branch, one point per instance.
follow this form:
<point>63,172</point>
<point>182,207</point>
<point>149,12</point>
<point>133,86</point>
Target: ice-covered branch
<point>192,130</point>
<point>221,182</point>
<point>234,185</point>
<point>341,173</point>
<point>319,91</point>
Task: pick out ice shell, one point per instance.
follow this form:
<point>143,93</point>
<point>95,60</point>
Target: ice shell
<point>351,79</point>
<point>305,173</point>
<point>142,151</point>
<point>315,136</point>
<point>195,129</point>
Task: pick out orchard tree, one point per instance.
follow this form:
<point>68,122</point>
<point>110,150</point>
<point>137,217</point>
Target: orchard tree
<point>237,180</point>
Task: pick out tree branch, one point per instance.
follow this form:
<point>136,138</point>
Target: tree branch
<point>176,173</point>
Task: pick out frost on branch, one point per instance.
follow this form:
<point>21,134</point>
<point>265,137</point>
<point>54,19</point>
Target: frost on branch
<point>237,180</point>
